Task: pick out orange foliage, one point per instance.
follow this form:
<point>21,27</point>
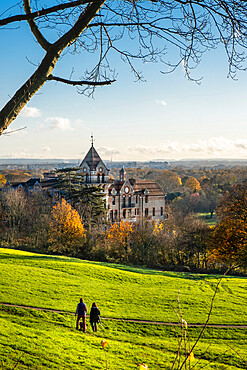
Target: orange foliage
<point>230,234</point>
<point>192,184</point>
<point>118,238</point>
<point>67,232</point>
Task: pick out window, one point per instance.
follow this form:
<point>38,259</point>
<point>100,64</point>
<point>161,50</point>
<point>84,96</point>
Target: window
<point>115,215</point>
<point>137,212</point>
<point>111,216</point>
<point>98,178</point>
<point>124,205</point>
<point>136,199</point>
<point>87,178</point>
<point>103,178</point>
<point>146,212</point>
<point>153,211</point>
<point>129,201</point>
<point>146,198</point>
<point>124,213</point>
<point>161,211</point>
<point>113,201</point>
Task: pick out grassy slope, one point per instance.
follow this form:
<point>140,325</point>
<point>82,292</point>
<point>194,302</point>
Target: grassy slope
<point>47,340</point>
<point>44,340</point>
<point>58,282</point>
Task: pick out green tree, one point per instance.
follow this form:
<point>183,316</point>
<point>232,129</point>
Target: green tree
<point>100,26</point>
<point>90,203</point>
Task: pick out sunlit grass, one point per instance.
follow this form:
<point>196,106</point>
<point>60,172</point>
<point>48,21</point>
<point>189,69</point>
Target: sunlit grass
<point>121,292</point>
<point>44,340</point>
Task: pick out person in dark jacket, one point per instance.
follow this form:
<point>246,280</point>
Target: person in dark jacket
<point>81,311</point>
<point>94,316</point>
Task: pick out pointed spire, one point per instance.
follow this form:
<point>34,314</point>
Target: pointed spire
<point>92,139</point>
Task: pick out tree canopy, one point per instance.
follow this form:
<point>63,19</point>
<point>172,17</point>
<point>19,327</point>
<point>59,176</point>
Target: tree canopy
<point>144,30</point>
<point>230,234</point>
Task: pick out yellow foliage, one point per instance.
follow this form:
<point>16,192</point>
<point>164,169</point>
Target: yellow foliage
<point>192,184</point>
<point>2,180</point>
<point>158,227</point>
<point>118,237</point>
<point>66,228</point>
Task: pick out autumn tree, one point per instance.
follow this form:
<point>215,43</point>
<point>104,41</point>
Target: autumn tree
<point>67,234</point>
<point>230,234</point>
<point>155,28</point>
<point>192,184</point>
<point>118,239</point>
<point>2,180</point>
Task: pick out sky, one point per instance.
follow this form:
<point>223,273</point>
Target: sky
<point>166,117</point>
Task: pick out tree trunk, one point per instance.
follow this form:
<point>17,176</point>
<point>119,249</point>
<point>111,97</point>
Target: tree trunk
<point>40,76</point>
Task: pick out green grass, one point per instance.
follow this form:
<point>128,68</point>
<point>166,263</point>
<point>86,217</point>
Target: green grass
<point>44,340</point>
<point>58,282</point>
<point>207,218</point>
<point>49,340</point>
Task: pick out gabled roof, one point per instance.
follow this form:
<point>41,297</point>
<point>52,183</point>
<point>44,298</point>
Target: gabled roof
<point>139,187</point>
<point>92,159</point>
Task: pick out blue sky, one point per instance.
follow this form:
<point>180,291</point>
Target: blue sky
<point>166,117</point>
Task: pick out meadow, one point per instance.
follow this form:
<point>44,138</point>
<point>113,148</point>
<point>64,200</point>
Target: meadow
<point>39,339</point>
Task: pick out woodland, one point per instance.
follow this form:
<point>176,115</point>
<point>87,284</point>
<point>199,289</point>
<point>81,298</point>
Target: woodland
<point>204,229</point>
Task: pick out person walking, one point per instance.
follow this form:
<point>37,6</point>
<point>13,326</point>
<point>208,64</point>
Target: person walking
<point>94,316</point>
<point>81,311</point>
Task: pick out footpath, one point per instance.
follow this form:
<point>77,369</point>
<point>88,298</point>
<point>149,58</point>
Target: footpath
<point>130,320</point>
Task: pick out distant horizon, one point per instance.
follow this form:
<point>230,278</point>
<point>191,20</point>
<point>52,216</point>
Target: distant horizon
<point>126,160</point>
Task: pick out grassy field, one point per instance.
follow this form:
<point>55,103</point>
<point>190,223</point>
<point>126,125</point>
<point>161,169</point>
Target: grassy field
<point>207,218</point>
<point>41,340</point>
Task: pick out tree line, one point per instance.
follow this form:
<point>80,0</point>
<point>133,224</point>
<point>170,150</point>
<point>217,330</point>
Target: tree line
<point>76,225</point>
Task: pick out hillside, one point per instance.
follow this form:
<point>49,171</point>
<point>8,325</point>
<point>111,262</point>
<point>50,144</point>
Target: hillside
<point>121,292</point>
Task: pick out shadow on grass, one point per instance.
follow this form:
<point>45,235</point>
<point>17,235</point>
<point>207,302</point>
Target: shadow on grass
<point>31,256</point>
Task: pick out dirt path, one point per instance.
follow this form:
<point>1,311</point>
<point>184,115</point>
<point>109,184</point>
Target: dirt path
<point>129,320</point>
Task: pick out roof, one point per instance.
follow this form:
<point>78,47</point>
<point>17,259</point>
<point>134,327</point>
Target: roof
<point>139,186</point>
<point>92,159</point>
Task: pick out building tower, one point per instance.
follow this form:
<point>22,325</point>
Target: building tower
<point>93,168</point>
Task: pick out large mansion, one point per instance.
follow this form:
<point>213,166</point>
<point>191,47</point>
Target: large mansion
<point>126,199</point>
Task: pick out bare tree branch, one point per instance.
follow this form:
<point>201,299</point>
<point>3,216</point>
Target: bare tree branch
<point>172,32</point>
<point>80,83</point>
<point>33,84</point>
<point>42,12</point>
<point>35,30</point>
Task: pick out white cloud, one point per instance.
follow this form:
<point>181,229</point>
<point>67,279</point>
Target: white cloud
<point>30,112</point>
<point>46,149</point>
<point>59,123</point>
<point>161,102</point>
<point>106,151</point>
<point>215,146</point>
